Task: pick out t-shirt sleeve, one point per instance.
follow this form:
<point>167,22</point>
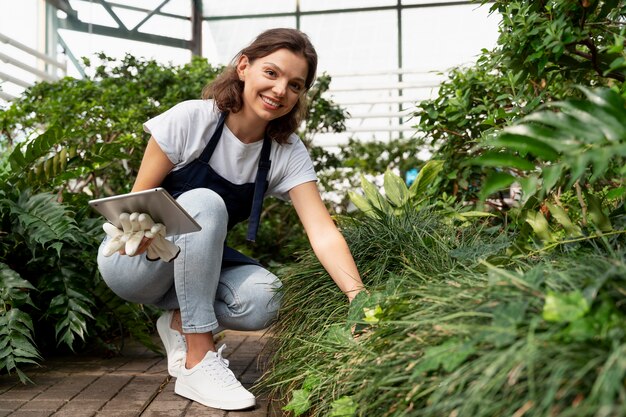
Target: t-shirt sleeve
<point>171,131</point>
<point>298,170</point>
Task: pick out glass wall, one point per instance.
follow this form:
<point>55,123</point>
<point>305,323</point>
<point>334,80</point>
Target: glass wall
<point>383,55</point>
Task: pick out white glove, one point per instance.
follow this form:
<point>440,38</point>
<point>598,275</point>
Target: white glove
<point>134,227</point>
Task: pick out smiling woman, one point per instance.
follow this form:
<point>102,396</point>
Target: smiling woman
<point>219,157</point>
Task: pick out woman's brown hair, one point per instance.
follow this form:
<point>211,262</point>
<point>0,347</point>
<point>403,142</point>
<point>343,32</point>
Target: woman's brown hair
<point>227,89</point>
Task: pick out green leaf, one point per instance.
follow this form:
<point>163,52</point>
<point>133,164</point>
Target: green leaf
<point>343,407</point>
<point>311,382</point>
<point>561,216</point>
<point>360,202</point>
<point>425,178</point>
<point>564,308</point>
<point>526,144</point>
<point>374,197</point>
<point>596,214</point>
<point>496,181</point>
<point>530,187</point>
<point>372,315</point>
<point>395,189</point>
<point>449,355</point>
<point>551,175</point>
<point>540,225</point>
<point>299,403</point>
<point>616,193</point>
<point>503,160</point>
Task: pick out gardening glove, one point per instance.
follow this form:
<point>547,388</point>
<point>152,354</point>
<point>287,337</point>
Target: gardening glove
<point>135,227</point>
<point>160,247</point>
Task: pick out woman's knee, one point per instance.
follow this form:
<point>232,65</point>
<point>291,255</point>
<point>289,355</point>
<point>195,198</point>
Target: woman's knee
<point>252,302</point>
<point>204,205</point>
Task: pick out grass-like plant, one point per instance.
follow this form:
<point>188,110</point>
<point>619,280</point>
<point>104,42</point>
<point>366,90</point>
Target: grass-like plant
<point>450,333</point>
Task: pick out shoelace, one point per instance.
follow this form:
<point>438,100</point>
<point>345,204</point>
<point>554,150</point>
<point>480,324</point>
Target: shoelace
<point>219,370</point>
<point>221,358</point>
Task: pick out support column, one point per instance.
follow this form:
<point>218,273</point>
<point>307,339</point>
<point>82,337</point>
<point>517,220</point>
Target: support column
<point>196,27</point>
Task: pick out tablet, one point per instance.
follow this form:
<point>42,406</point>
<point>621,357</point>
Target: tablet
<point>157,202</point>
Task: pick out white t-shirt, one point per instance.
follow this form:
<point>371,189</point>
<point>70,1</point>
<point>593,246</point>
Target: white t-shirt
<point>183,132</point>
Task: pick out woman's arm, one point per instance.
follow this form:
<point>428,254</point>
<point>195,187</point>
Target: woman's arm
<point>155,165</point>
<point>327,242</point>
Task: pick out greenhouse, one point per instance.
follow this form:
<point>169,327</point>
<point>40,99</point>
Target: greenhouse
<point>313,208</point>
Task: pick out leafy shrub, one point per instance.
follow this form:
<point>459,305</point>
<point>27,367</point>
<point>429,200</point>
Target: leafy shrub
<point>545,49</point>
<point>444,331</point>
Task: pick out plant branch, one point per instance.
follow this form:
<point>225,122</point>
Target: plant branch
<point>578,239</point>
<point>583,205</point>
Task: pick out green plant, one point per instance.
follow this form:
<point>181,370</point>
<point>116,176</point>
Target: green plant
<point>573,146</point>
<point>545,49</point>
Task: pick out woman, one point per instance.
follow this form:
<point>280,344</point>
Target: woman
<point>219,156</point>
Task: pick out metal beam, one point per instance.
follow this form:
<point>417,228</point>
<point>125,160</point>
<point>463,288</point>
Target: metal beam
<point>149,15</point>
<point>143,10</point>
<point>64,6</point>
<point>41,74</point>
<point>80,26</point>
<point>346,10</point>
<point>196,27</point>
<point>31,51</point>
<point>110,11</point>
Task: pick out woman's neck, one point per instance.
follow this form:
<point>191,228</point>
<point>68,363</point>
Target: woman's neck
<point>246,130</point>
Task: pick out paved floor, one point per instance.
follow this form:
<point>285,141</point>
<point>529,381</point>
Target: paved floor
<point>132,385</point>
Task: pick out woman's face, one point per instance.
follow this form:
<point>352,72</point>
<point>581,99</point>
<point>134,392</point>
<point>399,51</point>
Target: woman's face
<point>272,84</point>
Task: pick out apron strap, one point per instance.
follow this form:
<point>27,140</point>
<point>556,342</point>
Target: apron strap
<point>260,185</point>
<point>206,154</point>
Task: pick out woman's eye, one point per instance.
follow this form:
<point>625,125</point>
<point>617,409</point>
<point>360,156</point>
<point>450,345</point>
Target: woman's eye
<point>296,87</point>
<point>271,73</point>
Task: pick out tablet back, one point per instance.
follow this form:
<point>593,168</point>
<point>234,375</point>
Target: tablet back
<point>156,201</point>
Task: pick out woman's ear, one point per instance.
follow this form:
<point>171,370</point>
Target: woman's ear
<point>242,65</point>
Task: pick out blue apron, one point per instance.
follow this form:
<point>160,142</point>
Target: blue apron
<point>243,201</point>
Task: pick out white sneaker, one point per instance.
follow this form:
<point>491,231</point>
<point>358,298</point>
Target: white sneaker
<point>174,342</point>
<point>211,383</point>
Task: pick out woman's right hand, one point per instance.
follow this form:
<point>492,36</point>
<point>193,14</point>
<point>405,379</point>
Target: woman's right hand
<point>143,247</point>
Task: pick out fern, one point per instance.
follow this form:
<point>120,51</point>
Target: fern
<point>41,220</point>
<point>71,307</point>
<point>133,318</point>
<point>17,345</point>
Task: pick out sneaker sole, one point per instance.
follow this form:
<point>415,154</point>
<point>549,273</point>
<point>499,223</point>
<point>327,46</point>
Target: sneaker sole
<point>162,329</point>
<point>188,392</point>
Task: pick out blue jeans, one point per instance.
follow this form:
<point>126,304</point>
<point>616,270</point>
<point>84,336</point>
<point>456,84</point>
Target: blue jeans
<point>210,298</point>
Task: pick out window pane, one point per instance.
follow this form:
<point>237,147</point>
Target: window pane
<point>309,5</point>
<point>438,38</point>
<point>442,2</point>
<point>212,8</point>
<point>225,38</point>
<point>351,42</point>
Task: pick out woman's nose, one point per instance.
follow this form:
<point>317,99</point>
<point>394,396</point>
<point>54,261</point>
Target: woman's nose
<point>279,88</point>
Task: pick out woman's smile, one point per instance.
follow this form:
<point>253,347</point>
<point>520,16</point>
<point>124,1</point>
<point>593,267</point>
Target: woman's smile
<point>272,104</point>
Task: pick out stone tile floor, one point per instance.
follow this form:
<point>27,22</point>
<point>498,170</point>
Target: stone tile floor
<point>135,384</point>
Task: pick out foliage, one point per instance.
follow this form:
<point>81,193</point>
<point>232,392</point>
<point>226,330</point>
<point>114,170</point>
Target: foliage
<point>101,142</point>
<point>323,114</point>
<point>579,149</point>
<point>452,326</point>
<point>545,49</point>
<point>339,171</point>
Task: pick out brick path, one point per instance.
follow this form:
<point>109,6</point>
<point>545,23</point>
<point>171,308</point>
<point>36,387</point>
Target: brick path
<point>135,384</point>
